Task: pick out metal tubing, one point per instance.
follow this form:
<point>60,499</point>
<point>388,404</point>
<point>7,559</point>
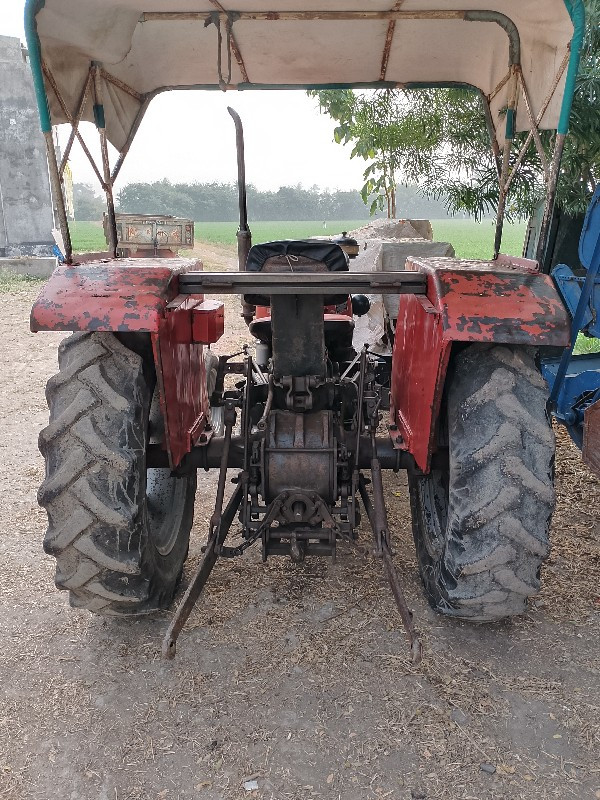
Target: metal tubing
<point>235,49</point>
<point>334,16</point>
<point>533,126</point>
<point>58,196</point>
<point>538,119</point>
<point>288,283</point>
<point>489,123</point>
<point>132,133</point>
<point>75,123</point>
<point>388,41</point>
<point>559,147</point>
<point>576,11</point>
<point>506,24</point>
<point>219,527</point>
<point>35,61</point>
<point>508,139</point>
<point>326,16</point>
<point>108,187</point>
<point>198,582</point>
<point>244,235</point>
<point>378,520</point>
<point>70,120</point>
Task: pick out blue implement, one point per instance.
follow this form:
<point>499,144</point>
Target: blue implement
<point>575,380</point>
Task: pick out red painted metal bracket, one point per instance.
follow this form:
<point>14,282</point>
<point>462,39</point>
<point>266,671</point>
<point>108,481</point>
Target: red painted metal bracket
<point>506,301</point>
<point>141,295</point>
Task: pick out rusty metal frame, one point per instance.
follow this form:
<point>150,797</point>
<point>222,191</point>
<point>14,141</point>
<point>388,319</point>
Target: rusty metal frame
<point>234,45</point>
<point>389,38</point>
<point>223,19</point>
<point>93,88</point>
<point>514,77</point>
<point>506,176</point>
<point>275,16</point>
<point>320,283</point>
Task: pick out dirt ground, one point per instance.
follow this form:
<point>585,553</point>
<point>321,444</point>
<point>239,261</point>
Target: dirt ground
<point>295,677</point>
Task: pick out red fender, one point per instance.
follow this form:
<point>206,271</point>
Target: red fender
<point>141,295</point>
<point>505,301</point>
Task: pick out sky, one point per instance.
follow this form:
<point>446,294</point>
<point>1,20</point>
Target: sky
<point>189,136</point>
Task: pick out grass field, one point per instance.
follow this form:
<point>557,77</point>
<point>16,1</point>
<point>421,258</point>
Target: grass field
<point>470,239</point>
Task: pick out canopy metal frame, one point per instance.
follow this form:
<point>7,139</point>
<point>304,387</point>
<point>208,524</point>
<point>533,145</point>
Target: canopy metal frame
<point>228,49</point>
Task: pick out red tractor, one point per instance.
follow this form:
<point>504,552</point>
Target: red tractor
<point>140,402</point>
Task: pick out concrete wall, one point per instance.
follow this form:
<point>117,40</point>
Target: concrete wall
<point>25,206</point>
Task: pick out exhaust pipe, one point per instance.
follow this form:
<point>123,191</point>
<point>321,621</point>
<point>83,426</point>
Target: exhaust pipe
<point>244,235</point>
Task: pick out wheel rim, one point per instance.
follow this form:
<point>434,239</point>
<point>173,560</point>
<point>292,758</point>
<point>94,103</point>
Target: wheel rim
<point>165,495</point>
<point>165,503</point>
<point>216,413</point>
<point>434,503</point>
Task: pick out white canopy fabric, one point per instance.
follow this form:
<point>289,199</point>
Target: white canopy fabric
<point>146,55</point>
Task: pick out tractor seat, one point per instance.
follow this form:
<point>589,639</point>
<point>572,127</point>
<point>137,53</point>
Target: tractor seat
<point>290,255</point>
<point>302,255</point>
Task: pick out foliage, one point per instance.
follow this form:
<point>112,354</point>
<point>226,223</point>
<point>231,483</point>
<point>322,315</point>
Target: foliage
<point>214,202</point>
<point>88,206</point>
<point>437,138</point>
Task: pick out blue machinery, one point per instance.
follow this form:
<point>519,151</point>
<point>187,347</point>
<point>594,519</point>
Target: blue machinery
<point>575,380</point>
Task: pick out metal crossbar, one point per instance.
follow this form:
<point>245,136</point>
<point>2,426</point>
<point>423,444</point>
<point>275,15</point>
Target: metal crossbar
<point>269,283</point>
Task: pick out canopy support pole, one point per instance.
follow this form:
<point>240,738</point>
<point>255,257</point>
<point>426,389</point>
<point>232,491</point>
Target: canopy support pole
<point>489,123</point>
<point>130,138</point>
<point>75,123</point>
<point>511,113</point>
<point>389,38</point>
<point>235,49</point>
<point>58,197</point>
<point>71,121</point>
<point>108,185</point>
<point>35,60</point>
<point>577,13</point>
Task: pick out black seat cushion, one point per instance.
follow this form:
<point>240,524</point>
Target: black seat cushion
<point>288,252</point>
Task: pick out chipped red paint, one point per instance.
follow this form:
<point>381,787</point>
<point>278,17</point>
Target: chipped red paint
<point>141,295</point>
<point>124,295</point>
<point>467,301</point>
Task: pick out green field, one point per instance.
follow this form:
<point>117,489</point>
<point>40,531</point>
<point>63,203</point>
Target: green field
<point>470,239</point>
<point>87,237</point>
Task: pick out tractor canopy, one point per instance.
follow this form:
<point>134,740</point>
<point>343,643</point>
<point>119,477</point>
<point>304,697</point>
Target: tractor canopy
<point>144,47</point>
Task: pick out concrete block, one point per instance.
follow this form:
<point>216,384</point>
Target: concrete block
<point>25,207</point>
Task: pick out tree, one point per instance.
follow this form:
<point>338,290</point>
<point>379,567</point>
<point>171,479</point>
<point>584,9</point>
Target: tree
<point>437,138</point>
<point>88,206</point>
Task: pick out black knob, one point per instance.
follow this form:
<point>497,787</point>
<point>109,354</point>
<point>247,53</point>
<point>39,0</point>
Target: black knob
<point>360,305</point>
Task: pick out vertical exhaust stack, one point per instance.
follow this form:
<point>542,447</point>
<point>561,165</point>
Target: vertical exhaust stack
<point>244,235</point>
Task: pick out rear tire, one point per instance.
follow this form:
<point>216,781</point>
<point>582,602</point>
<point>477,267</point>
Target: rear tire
<point>481,528</point>
<point>119,532</point>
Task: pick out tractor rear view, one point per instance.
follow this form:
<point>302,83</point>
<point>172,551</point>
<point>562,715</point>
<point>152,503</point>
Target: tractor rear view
<point>306,416</point>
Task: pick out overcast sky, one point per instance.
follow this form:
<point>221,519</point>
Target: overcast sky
<point>189,136</point>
